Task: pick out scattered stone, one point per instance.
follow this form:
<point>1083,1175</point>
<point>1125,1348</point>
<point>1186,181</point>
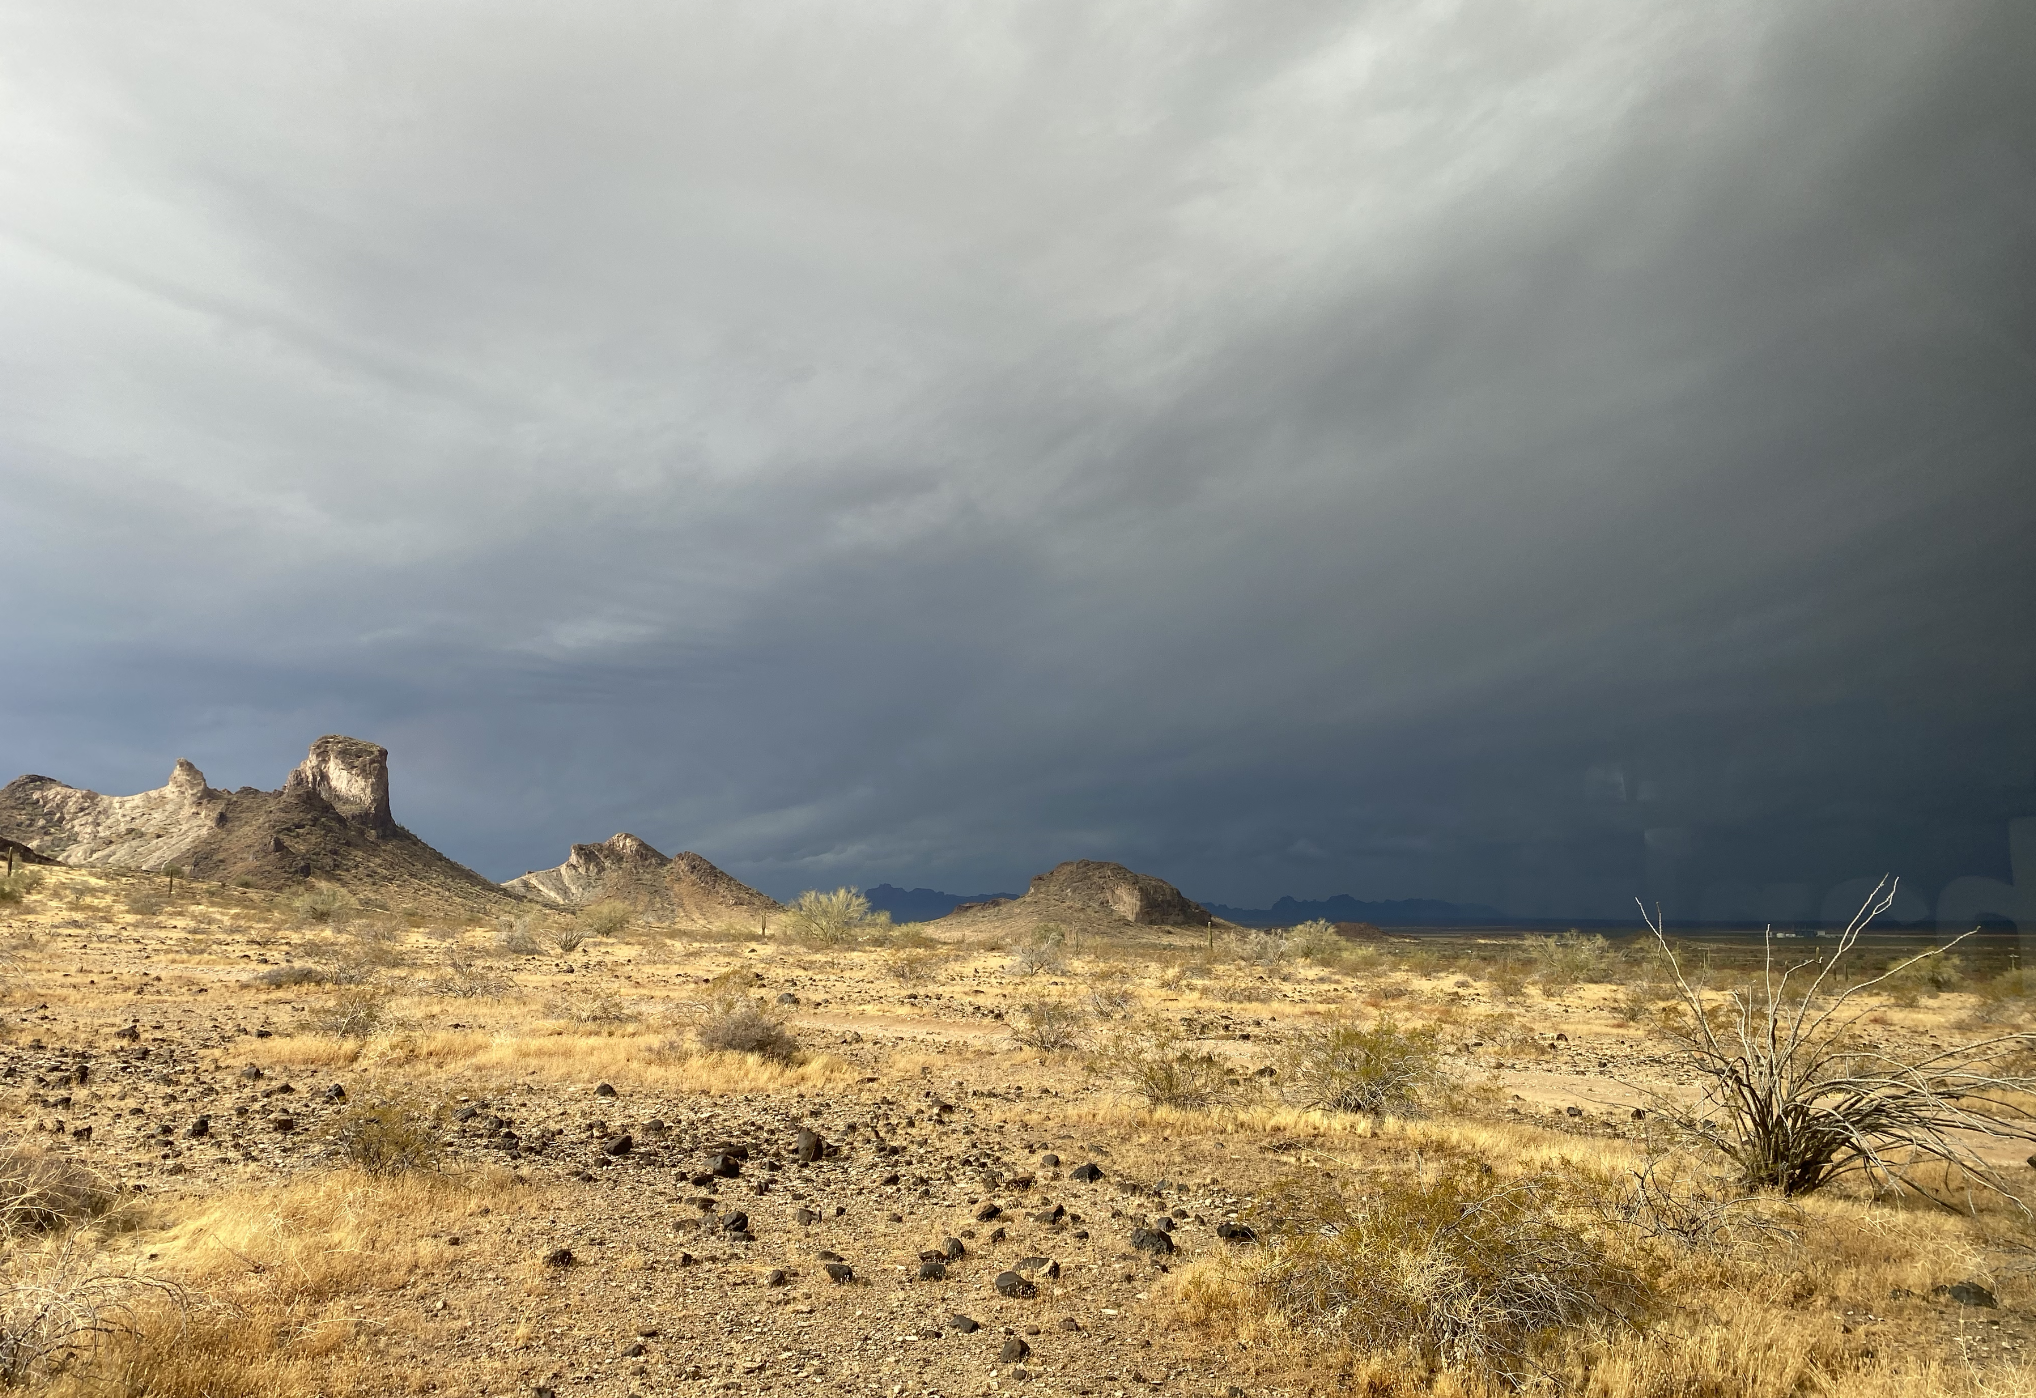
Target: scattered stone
<point>1014,1350</point>
<point>1966,1293</point>
<point>250,1073</point>
<point>962,1324</point>
<point>560,1257</point>
<point>953,1250</point>
<point>618,1145</point>
<point>808,1147</point>
<point>805,1217</point>
<point>1052,1215</point>
<point>1012,1285</point>
<point>989,1212</point>
<point>605,1090</point>
<point>775,1277</point>
<point>1049,1161</point>
<point>840,1272</point>
<point>635,1351</point>
<point>932,1271</point>
<point>1151,1240</point>
<point>199,1129</point>
<point>1231,1232</point>
<point>1069,1323</point>
<point>736,1222</point>
<point>1086,1174</point>
<point>788,998</point>
<point>283,1125</point>
<point>724,1166</point>
<point>335,1093</point>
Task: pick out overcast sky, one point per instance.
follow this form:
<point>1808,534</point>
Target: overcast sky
<point>1534,454</point>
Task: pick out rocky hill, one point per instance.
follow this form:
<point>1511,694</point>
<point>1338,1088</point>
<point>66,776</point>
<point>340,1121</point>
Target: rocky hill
<point>331,821</point>
<point>686,889</point>
<point>1089,894</point>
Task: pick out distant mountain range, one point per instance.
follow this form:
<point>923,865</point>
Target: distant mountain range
<point>1393,912</point>
<point>921,904</point>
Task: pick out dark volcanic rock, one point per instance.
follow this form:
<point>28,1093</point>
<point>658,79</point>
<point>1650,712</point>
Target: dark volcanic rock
<point>1151,1240</point>
<point>1086,1174</point>
<point>1013,1285</point>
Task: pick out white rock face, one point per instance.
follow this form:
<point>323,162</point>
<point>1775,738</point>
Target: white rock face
<point>149,830</point>
<point>589,873</point>
<point>351,776</point>
<point>684,889</point>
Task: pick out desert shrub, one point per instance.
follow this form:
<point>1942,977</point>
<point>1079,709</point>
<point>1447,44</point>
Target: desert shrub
<point>292,974</point>
<point>1909,981</point>
<point>1265,949</point>
<point>606,918</point>
<point>42,1190</point>
<point>1154,1064</point>
<point>1343,1067</point>
<point>565,938</point>
<point>1317,940</point>
<point>1569,958</point>
<point>1637,1000</point>
<point>594,1009</point>
<point>1110,994</point>
<point>916,967</point>
<point>739,1024</point>
<point>1044,953</point>
<point>1795,1095</point>
<point>323,904</point>
<point>1459,1267</point>
<point>352,1012</point>
<point>1667,1199</point>
<point>838,919</point>
<point>385,1138</point>
<point>1507,978</point>
<point>514,937</point>
<point>1047,1025</point>
<point>17,886</point>
<point>144,902</point>
<point>58,1306</point>
<point>461,979</point>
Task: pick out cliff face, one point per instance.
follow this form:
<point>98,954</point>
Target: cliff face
<point>685,889</point>
<point>331,821</point>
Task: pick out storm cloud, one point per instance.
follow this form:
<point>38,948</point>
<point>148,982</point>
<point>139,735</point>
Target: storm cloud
<point>1533,455</point>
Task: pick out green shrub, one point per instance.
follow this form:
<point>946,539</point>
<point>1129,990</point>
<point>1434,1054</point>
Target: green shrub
<point>1341,1066</point>
<point>606,918</point>
<point>514,938</point>
<point>18,885</point>
<point>324,904</point>
<point>1044,954</point>
<point>837,919</point>
<point>1154,1064</point>
<point>1570,958</point>
<point>1460,1268</point>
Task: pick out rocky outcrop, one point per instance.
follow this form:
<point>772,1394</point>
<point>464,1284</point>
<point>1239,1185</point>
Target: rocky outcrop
<point>1095,886</point>
<point>685,889</point>
<point>331,821</point>
<point>350,776</point>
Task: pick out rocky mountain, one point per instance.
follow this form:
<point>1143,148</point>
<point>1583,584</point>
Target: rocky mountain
<point>684,889</point>
<point>331,821</point>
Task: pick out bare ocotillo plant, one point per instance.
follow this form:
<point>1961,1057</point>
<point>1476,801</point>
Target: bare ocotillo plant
<point>1796,1096</point>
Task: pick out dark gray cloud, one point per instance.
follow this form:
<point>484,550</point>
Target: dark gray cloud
<point>1526,456</point>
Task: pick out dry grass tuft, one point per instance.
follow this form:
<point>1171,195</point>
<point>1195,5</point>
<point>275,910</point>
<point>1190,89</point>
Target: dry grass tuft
<point>43,1190</point>
<point>1341,1066</point>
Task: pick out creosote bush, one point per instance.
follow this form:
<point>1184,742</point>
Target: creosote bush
<point>1570,958</point>
<point>353,1012</point>
<point>1046,1025</point>
<point>1044,954</point>
<point>324,904</point>
<point>606,918</point>
<point>838,919</point>
<point>1152,1063</point>
<point>1341,1066</point>
<point>736,1023</point>
<point>514,936</point>
<point>1464,1269</point>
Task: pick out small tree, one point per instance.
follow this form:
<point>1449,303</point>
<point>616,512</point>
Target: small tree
<point>173,872</point>
<point>1796,1095</point>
